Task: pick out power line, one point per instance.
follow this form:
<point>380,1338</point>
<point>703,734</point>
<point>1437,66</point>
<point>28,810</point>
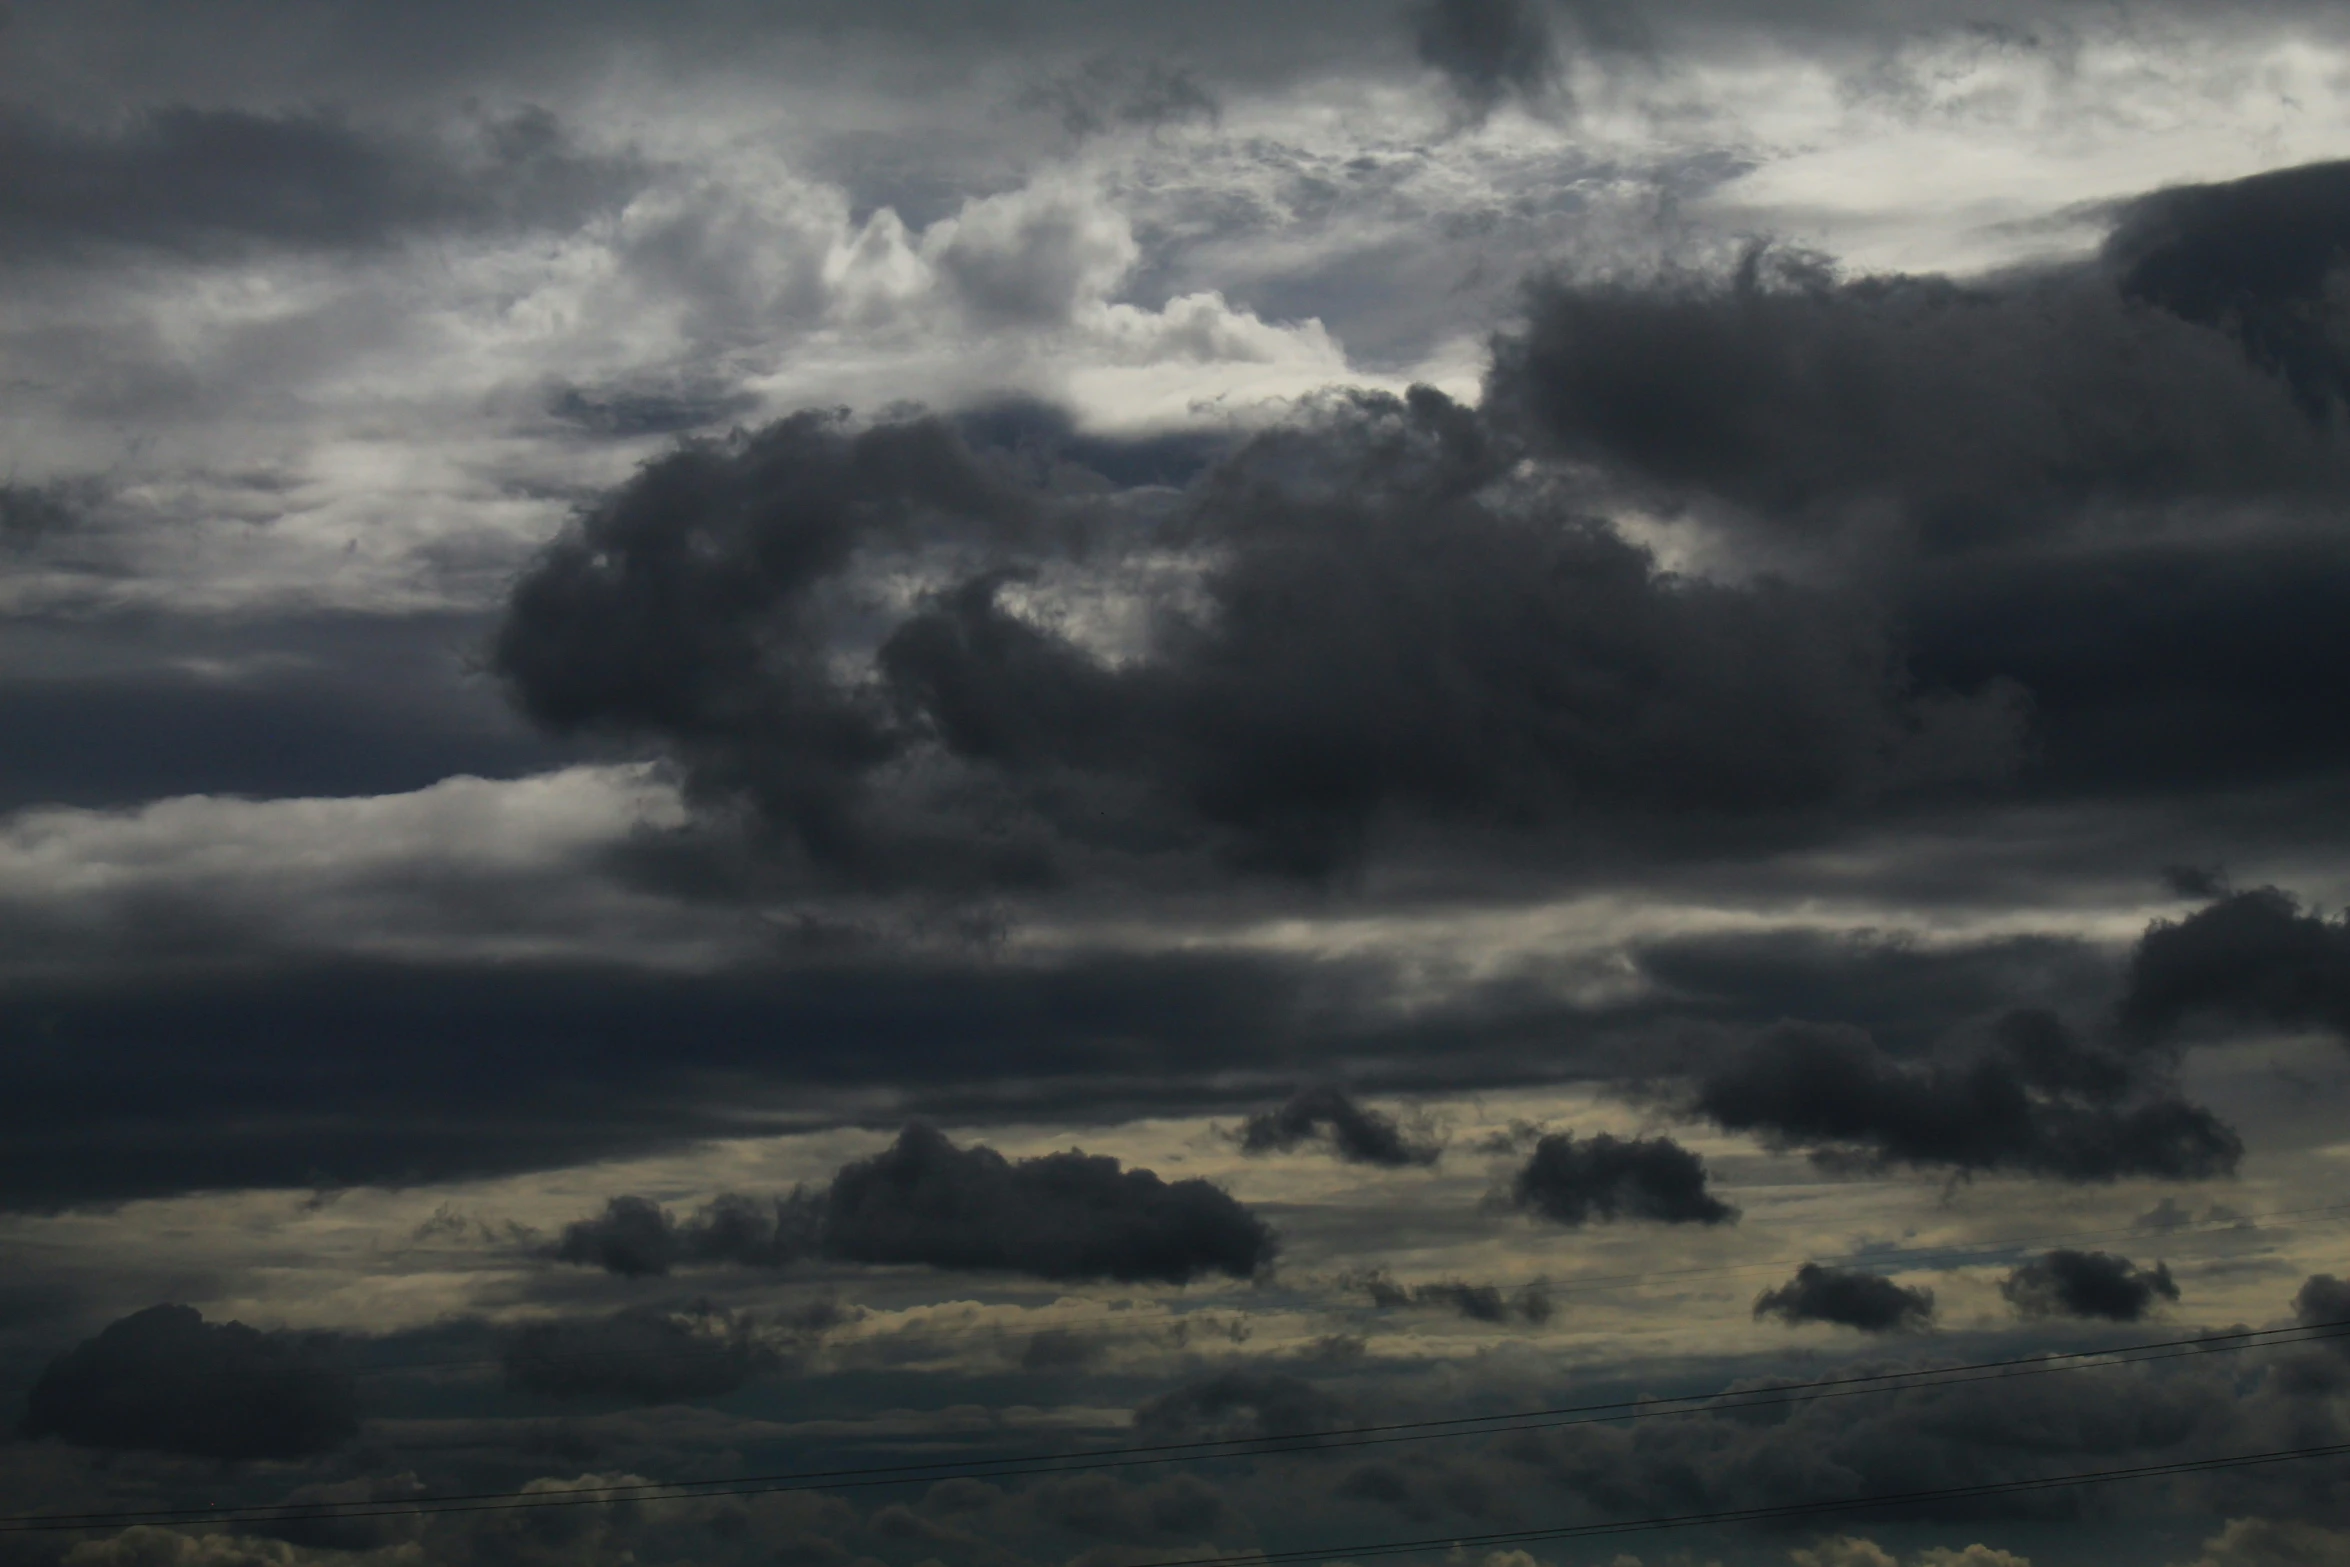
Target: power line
<point>1781,1511</point>
<point>1342,1438</point>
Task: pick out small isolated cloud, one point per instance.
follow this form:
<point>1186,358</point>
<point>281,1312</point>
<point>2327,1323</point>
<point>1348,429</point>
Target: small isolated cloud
<point>165,1380</point>
<point>1331,1118</point>
<point>2064,1283</point>
<point>1849,1298</point>
<point>2035,1099</point>
<point>923,1200</point>
<point>1529,1302</point>
<point>1608,1178</point>
<point>2256,957</point>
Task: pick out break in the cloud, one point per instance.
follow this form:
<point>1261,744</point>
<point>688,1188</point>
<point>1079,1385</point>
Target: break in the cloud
<point>2067,1283</point>
<point>923,1200</point>
<point>1354,1132</point>
<point>166,1380</point>
<point>1848,1297</point>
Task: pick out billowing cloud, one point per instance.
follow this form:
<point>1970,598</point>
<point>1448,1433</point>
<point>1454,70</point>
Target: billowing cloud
<point>1849,1297</point>
<point>2067,1283</point>
<point>923,1200</point>
<point>1606,1178</point>
<point>2035,1099</point>
<point>1488,49</point>
<point>167,1380</point>
<point>1330,1116</point>
<point>2253,957</point>
<point>1384,635</point>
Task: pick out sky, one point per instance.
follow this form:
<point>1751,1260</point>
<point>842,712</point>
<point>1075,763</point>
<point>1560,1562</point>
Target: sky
<point>1545,783</point>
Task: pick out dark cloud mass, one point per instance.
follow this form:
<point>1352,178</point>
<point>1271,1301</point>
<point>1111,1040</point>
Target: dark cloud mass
<point>1061,1216</point>
<point>1530,1303</point>
<point>1488,49</point>
<point>1385,638</point>
<point>923,1200</point>
<point>2255,957</point>
<point>1606,1178</point>
<point>1353,1132</point>
<point>2034,1099</point>
<point>165,1379</point>
<point>1848,1297</point>
<point>2065,1283</point>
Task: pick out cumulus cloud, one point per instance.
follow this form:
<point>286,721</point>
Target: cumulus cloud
<point>2065,1283</point>
<point>1529,1303</point>
<point>923,1200</point>
<point>2273,1542</point>
<point>1379,636</point>
<point>2034,1099</point>
<point>1605,1178</point>
<point>165,1379</point>
<point>1848,1297</point>
<point>1329,1116</point>
<point>2253,957</point>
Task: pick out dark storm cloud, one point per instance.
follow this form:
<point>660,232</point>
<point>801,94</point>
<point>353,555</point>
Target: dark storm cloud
<point>1111,90</point>
<point>1607,1178</point>
<point>1329,1117</point>
<point>1488,49</point>
<point>923,1200</point>
<point>2256,957</point>
<point>2034,1099</point>
<point>2322,1299</point>
<point>1060,1216</point>
<point>135,706</point>
<point>1529,1303</point>
<point>199,179</point>
<point>165,1379</point>
<point>1848,1297</point>
<point>1802,396</point>
<point>1381,642</point>
<point>643,1357</point>
<point>2066,1283</point>
<point>2253,257</point>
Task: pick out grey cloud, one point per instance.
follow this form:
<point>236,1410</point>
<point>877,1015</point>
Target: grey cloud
<point>1488,49</point>
<point>32,512</point>
<point>923,1200</point>
<point>165,1379</point>
<point>1278,728</point>
<point>1060,1216</point>
<point>1330,1116</point>
<point>1113,90</point>
<point>2034,1099</point>
<point>2322,1299</point>
<point>2066,1283</point>
<point>625,411</point>
<point>198,179</point>
<point>644,1357</point>
<point>2254,957</point>
<point>1239,1403</point>
<point>1848,1297</point>
<point>1530,1303</point>
<point>1807,399</point>
<point>1606,1178</point>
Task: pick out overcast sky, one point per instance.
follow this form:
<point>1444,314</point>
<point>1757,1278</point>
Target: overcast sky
<point>755,736</point>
